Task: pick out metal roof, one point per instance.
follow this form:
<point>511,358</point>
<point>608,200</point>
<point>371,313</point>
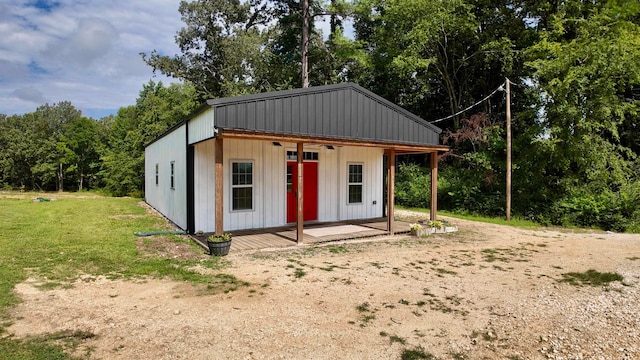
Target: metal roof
<point>341,111</point>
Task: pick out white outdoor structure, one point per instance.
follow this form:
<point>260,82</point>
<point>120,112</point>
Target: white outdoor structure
<point>234,164</point>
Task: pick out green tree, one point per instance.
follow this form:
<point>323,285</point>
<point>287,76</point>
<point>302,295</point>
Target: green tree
<point>157,109</point>
<point>230,47</point>
<point>220,46</point>
<point>44,148</point>
<point>79,146</point>
<point>587,68</point>
<point>436,58</point>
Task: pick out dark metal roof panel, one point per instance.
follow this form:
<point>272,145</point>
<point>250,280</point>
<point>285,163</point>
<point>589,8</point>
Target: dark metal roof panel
<point>341,111</point>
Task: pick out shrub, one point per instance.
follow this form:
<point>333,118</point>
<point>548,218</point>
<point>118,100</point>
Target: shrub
<point>412,187</point>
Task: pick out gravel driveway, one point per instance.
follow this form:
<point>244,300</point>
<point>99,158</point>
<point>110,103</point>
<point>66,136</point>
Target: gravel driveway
<point>486,292</point>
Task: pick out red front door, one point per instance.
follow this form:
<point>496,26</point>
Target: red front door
<point>310,191</point>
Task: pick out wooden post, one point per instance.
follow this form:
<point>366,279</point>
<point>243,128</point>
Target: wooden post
<point>391,175</point>
<point>299,195</point>
<point>219,197</point>
<point>434,185</point>
<point>508,91</point>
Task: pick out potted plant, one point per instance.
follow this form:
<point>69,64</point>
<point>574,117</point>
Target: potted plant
<point>436,225</point>
<point>219,245</point>
<point>441,226</point>
<point>416,229</point>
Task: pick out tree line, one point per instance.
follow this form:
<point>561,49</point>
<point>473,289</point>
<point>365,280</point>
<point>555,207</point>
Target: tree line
<point>55,148</point>
<point>574,65</point>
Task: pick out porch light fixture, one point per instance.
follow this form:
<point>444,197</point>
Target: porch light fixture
<point>275,143</point>
<point>330,147</point>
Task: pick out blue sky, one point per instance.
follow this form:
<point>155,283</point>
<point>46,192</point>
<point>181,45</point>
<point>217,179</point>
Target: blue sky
<point>83,51</point>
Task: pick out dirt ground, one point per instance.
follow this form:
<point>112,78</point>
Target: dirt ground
<point>486,292</point>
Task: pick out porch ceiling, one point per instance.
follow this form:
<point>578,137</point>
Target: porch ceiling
<point>399,148</point>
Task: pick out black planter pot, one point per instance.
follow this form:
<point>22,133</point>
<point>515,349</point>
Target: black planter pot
<point>219,248</point>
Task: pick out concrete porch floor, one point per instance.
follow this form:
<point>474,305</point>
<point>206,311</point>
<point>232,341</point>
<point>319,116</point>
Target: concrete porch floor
<point>314,233</point>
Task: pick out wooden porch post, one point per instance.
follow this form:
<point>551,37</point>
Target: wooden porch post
<point>391,175</point>
<point>434,185</point>
<point>219,187</point>
<point>299,195</point>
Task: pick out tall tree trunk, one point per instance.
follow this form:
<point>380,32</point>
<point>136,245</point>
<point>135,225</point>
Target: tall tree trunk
<point>305,43</point>
<point>334,23</point>
<point>60,179</point>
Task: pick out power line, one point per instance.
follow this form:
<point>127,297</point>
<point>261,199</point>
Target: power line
<point>500,88</point>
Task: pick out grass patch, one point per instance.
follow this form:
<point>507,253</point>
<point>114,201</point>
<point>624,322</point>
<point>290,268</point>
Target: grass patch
<point>50,346</point>
<point>590,277</point>
<point>225,283</point>
<point>397,339</point>
<point>363,307</point>
<point>58,241</point>
<point>506,255</point>
<point>515,221</point>
<point>367,314</point>
<point>416,353</point>
<point>299,273</point>
<point>365,319</point>
<point>442,271</point>
<point>338,249</point>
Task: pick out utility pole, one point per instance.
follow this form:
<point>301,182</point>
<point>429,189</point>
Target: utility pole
<point>508,91</point>
<point>305,43</point>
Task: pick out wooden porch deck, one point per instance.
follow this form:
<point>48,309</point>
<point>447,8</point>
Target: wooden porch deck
<point>314,233</point>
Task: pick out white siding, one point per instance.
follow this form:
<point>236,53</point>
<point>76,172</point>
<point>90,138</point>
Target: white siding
<point>172,203</point>
<point>201,127</point>
<point>371,159</point>
<point>328,184</point>
<point>268,184</point>
<point>274,184</point>
<point>204,164</point>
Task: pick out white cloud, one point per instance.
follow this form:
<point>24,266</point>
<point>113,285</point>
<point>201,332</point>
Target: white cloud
<point>86,52</point>
<point>92,39</point>
<point>29,94</point>
<point>11,71</point>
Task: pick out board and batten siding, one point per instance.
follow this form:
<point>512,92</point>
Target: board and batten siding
<point>204,167</point>
<point>269,186</point>
<point>171,202</point>
<point>328,184</point>
<point>372,168</point>
<point>269,183</point>
<point>201,127</point>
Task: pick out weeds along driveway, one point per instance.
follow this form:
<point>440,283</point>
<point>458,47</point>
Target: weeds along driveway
<point>488,291</point>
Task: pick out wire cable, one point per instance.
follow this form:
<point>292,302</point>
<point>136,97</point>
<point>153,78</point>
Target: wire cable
<point>500,88</point>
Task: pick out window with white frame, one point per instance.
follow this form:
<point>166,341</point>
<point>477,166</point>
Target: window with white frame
<point>241,185</point>
<point>173,171</point>
<point>157,174</point>
<point>354,184</point>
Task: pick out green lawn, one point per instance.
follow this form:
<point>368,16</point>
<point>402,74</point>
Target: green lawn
<point>517,222</point>
<point>58,241</point>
